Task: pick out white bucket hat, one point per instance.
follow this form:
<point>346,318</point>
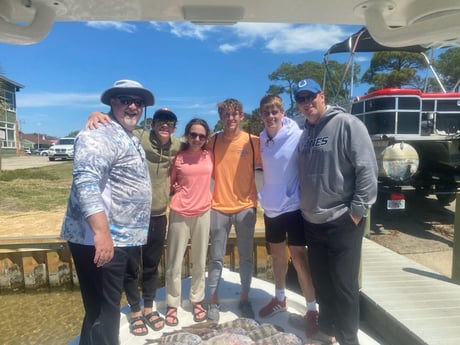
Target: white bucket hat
<point>128,87</point>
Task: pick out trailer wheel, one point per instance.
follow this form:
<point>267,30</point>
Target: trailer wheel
<point>446,199</point>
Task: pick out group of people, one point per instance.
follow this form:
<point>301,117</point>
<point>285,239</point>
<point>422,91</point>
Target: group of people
<point>318,185</point>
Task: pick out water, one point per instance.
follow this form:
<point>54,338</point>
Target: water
<point>52,318</point>
<point>48,318</point>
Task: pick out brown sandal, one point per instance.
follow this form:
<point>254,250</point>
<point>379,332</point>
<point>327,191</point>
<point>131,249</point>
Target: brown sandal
<point>171,313</point>
<point>199,313</point>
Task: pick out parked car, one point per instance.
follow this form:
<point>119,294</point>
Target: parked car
<point>27,150</point>
<point>40,152</point>
<point>62,150</point>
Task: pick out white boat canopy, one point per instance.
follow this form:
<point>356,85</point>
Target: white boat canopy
<point>394,23</point>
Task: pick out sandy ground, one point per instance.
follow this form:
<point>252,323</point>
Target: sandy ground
<point>27,161</point>
<point>31,224</point>
<point>423,233</point>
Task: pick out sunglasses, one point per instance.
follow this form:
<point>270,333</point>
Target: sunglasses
<point>306,99</point>
<point>194,135</point>
<point>128,101</point>
<point>169,123</point>
<point>267,113</point>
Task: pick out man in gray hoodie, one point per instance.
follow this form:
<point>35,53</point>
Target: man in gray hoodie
<point>338,184</point>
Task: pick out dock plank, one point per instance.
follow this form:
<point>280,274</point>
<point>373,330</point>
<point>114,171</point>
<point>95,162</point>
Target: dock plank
<point>411,303</point>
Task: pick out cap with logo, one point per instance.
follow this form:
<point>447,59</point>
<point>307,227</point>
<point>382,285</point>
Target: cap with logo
<point>308,85</point>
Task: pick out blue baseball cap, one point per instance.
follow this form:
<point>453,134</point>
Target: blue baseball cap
<point>308,85</point>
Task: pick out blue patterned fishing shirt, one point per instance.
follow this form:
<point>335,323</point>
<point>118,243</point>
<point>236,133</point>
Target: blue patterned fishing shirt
<point>110,174</point>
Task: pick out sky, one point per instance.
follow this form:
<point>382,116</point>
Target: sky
<point>189,68</point>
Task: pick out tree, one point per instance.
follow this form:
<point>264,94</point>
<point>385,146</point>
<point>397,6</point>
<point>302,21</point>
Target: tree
<point>73,134</point>
<point>219,126</point>
<point>392,69</point>
<point>251,123</point>
<point>448,65</point>
<point>254,124</point>
<point>339,82</point>
<point>337,85</point>
<point>147,122</point>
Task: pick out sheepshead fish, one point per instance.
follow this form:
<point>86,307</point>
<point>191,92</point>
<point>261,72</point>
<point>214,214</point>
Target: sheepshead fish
<point>228,330</point>
<point>241,322</point>
<point>229,339</point>
<point>280,339</point>
<point>185,338</point>
<point>263,331</point>
<point>201,329</point>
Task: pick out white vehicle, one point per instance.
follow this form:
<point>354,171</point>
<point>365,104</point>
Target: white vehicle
<point>62,150</point>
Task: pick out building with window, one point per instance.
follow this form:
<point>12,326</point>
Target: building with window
<point>8,119</point>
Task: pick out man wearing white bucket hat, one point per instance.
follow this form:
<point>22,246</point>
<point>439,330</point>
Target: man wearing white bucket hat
<point>108,212</point>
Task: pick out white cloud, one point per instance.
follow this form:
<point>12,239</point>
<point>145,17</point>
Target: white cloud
<point>108,25</point>
<point>361,59</point>
<point>228,48</point>
<point>189,30</point>
<point>49,99</point>
<point>290,38</point>
<point>277,38</point>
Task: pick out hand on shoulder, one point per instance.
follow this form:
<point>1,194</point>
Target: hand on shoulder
<point>96,118</point>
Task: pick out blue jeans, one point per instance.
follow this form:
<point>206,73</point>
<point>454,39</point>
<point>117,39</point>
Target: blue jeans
<point>244,223</point>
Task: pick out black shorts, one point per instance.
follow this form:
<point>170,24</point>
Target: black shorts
<point>290,224</point>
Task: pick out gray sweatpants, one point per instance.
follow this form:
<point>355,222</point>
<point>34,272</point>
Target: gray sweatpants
<point>244,223</point>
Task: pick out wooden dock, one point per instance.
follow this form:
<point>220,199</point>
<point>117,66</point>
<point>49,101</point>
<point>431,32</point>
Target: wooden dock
<point>405,302</point>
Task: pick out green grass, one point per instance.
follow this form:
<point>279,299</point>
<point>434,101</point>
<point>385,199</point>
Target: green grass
<point>43,189</point>
<point>35,189</point>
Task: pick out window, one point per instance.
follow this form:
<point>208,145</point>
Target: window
<point>380,123</point>
<point>10,100</point>
<point>408,122</point>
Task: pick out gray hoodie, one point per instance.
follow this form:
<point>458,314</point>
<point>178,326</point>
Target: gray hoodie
<point>337,167</point>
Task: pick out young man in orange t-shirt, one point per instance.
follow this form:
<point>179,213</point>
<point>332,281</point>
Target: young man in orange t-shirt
<point>236,154</point>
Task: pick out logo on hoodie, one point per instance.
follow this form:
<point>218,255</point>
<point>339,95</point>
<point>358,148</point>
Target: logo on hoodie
<point>317,142</point>
<point>313,143</point>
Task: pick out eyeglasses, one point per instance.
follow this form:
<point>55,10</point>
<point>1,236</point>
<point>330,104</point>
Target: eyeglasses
<point>128,101</point>
<point>194,135</point>
<point>169,123</point>
<point>306,99</point>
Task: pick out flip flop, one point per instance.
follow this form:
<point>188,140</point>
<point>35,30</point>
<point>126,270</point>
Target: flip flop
<point>171,313</point>
<point>156,324</point>
<point>133,326</point>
